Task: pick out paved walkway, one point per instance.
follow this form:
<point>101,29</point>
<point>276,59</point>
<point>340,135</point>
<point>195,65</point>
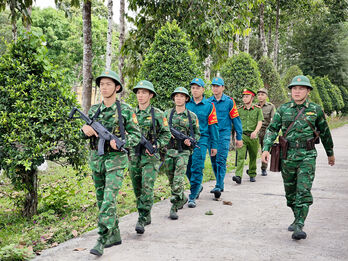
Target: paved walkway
<point>253,228</point>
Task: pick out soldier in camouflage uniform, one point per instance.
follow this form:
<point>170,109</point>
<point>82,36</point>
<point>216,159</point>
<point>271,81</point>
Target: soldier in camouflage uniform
<point>144,166</point>
<point>268,111</point>
<point>298,168</point>
<point>178,152</point>
<point>251,117</point>
<point>107,169</point>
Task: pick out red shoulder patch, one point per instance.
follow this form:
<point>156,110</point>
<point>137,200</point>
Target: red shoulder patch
<point>212,118</point>
<point>234,111</point>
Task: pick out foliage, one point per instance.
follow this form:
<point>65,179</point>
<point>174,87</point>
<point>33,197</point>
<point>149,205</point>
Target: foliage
<point>344,92</point>
<point>169,63</point>
<point>239,72</point>
<point>334,93</point>
<point>13,253</point>
<point>289,75</point>
<point>34,106</point>
<point>324,94</point>
<point>5,31</point>
<point>271,81</point>
<point>314,94</point>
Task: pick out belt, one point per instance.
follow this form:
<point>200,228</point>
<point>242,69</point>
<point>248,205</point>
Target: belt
<point>295,145</point>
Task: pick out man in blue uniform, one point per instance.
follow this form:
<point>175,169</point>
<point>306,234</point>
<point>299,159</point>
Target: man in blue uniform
<point>227,114</point>
<point>208,127</point>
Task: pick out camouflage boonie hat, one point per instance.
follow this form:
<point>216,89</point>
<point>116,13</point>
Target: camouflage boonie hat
<point>112,75</point>
<point>180,90</point>
<point>300,80</point>
<point>264,90</point>
<point>145,85</point>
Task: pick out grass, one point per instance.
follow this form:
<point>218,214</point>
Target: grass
<point>67,207</point>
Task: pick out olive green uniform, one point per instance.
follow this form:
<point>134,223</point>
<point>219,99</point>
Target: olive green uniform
<point>250,118</point>
<point>268,111</point>
<point>143,167</point>
<point>107,170</point>
<point>177,155</point>
<point>298,169</point>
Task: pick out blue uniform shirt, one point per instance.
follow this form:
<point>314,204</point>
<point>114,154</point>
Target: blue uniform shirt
<point>227,114</point>
<point>208,123</point>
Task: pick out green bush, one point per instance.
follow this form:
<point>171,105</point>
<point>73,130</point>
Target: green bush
<point>289,75</point>
<point>324,94</point>
<point>239,72</point>
<point>14,253</point>
<point>344,92</point>
<point>271,81</point>
<point>169,63</point>
<point>314,94</point>
<point>34,106</point>
<point>335,94</point>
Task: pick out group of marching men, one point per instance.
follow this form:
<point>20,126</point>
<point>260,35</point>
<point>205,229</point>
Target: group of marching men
<point>184,133</point>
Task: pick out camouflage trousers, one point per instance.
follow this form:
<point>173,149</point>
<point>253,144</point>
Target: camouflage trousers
<point>143,172</point>
<point>261,137</point>
<point>252,145</point>
<point>298,175</point>
<point>176,165</point>
<point>107,173</point>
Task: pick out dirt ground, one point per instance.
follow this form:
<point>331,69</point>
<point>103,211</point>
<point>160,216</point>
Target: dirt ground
<point>253,228</point>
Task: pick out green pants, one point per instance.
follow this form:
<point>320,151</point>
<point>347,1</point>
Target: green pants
<point>298,173</point>
<point>252,145</point>
<point>176,165</point>
<point>107,173</point>
<point>143,172</point>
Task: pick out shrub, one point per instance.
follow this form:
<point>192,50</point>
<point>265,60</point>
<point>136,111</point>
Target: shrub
<point>289,75</point>
<point>335,94</point>
<point>34,106</point>
<point>271,81</point>
<point>239,72</point>
<point>324,95</point>
<point>169,63</point>
<point>314,94</point>
<point>344,92</point>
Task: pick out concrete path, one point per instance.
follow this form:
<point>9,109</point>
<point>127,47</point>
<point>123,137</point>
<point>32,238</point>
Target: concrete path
<point>253,228</point>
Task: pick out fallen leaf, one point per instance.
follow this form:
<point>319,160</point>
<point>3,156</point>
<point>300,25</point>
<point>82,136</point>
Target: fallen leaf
<point>54,244</point>
<point>74,232</point>
<point>209,213</point>
<point>227,203</point>
<point>79,249</point>
<point>74,218</point>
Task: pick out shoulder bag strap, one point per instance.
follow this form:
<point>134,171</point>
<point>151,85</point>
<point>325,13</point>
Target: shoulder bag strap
<point>292,123</point>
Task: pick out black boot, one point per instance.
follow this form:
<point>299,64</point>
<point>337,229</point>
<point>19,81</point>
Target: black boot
<point>298,233</point>
<point>139,227</point>
<point>237,179</point>
<point>263,172</point>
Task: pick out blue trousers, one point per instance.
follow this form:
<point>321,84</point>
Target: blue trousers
<point>195,168</point>
<point>218,162</point>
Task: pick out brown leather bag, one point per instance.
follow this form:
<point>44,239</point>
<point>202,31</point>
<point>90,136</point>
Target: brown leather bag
<point>281,146</point>
<point>275,158</point>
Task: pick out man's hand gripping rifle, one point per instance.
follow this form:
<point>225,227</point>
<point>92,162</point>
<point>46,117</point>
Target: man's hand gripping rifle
<point>181,136</point>
<point>102,132</point>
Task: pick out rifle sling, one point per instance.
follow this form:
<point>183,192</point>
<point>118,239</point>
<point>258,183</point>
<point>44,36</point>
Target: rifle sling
<point>120,120</point>
<point>154,125</point>
<point>189,118</point>
<point>292,123</point>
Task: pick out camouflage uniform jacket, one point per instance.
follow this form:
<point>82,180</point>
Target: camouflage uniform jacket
<point>181,123</point>
<point>268,111</point>
<point>145,122</point>
<point>300,131</point>
<point>108,117</point>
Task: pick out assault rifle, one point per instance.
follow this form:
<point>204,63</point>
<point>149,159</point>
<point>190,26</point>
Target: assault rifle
<point>181,136</point>
<point>102,132</point>
<point>148,145</point>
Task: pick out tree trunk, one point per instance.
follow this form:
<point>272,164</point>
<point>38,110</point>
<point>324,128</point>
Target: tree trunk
<point>276,39</point>
<point>230,49</point>
<point>13,20</point>
<point>122,38</point>
<point>31,184</point>
<point>28,21</point>
<point>262,31</point>
<point>207,64</point>
<point>87,55</point>
<point>269,40</point>
<point>109,37</point>
<point>247,42</point>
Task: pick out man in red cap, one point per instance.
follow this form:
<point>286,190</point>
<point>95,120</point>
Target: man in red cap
<point>251,117</point>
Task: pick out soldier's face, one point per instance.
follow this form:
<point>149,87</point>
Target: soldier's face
<point>299,93</point>
<point>261,96</point>
<point>197,91</point>
<point>108,87</point>
<point>144,96</point>
<point>247,98</point>
<point>180,99</point>
<point>217,89</point>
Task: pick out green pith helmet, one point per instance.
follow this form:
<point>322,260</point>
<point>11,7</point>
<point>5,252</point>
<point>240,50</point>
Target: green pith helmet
<point>300,80</point>
<point>180,90</point>
<point>145,85</point>
<point>112,75</point>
